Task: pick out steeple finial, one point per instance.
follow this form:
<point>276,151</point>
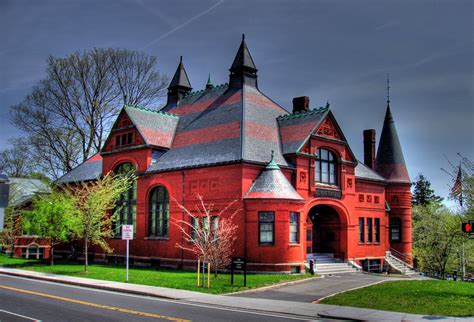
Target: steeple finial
<point>209,84</point>
<point>388,88</point>
<point>272,165</point>
<point>243,37</point>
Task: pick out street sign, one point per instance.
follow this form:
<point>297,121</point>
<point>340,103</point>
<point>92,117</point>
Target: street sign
<point>127,232</point>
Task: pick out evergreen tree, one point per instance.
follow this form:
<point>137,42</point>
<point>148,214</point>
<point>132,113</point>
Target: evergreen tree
<point>422,192</point>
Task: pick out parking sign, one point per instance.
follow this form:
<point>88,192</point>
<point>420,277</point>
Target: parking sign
<point>127,232</point>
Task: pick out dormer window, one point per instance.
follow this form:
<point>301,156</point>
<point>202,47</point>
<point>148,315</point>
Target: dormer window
<point>326,167</point>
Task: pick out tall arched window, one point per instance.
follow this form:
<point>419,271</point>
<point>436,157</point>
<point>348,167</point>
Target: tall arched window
<point>159,213</point>
<point>127,202</point>
<point>326,167</point>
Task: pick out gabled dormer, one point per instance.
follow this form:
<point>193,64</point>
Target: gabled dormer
<point>137,127</point>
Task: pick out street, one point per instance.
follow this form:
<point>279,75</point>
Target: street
<point>31,300</point>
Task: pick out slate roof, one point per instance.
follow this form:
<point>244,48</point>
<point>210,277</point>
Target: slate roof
<point>223,125</point>
<point>91,169</point>
<point>22,190</point>
<point>157,128</point>
<point>272,184</point>
<point>390,162</point>
<point>364,172</point>
<point>296,128</point>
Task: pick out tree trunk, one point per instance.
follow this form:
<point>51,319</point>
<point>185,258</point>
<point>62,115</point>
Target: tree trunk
<point>86,255</point>
<point>51,254</point>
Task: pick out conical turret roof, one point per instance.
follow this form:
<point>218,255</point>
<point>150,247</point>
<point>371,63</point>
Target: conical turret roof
<point>272,184</point>
<point>243,59</point>
<point>180,77</point>
<point>390,162</point>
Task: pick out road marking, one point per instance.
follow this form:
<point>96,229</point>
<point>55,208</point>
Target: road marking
<point>21,316</point>
<point>290,316</point>
<point>100,306</point>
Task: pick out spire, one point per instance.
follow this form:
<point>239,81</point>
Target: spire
<point>243,69</point>
<point>180,77</point>
<point>390,162</point>
<point>388,89</point>
<point>209,84</point>
<point>179,85</point>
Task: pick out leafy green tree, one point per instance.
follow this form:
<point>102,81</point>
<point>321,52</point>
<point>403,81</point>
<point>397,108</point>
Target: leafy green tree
<point>53,217</point>
<point>436,237</point>
<point>94,201</point>
<point>422,192</point>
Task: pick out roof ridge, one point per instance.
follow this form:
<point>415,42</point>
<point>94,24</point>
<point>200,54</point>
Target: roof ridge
<point>316,110</point>
<point>151,111</point>
<point>206,90</point>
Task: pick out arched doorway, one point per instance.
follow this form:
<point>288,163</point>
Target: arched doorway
<point>326,232</point>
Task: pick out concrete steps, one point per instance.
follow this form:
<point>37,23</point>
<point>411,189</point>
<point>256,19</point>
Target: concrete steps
<point>399,265</point>
<point>326,264</point>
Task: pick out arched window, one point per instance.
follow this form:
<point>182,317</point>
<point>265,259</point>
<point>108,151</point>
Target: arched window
<point>326,167</point>
<point>395,230</point>
<point>159,213</point>
<point>127,202</point>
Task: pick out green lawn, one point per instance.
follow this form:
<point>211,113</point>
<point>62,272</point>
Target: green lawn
<point>166,278</point>
<point>432,297</point>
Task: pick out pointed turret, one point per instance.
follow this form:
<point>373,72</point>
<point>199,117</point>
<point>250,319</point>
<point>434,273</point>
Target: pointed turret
<point>243,69</point>
<point>179,85</point>
<point>390,162</point>
<point>272,184</point>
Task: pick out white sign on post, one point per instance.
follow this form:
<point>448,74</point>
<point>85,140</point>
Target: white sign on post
<point>127,234</point>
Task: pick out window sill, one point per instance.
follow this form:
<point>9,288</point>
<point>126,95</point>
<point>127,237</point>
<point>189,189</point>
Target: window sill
<point>266,244</point>
<point>327,186</point>
<point>294,244</point>
<point>157,238</point>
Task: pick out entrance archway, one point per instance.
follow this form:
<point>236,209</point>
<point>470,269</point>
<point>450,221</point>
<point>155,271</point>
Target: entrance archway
<point>326,232</point>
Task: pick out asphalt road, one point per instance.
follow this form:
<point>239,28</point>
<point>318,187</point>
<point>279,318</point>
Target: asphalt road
<point>317,288</point>
<point>31,300</point>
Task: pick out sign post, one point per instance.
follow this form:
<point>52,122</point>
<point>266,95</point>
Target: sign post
<point>127,234</point>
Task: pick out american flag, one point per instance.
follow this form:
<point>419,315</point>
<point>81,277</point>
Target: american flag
<point>456,190</point>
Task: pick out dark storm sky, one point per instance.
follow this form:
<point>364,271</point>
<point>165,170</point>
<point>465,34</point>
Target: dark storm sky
<point>328,50</point>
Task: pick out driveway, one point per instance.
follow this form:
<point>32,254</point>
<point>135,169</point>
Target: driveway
<point>317,288</point>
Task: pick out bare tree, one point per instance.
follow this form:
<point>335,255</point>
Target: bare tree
<point>209,235</point>
<point>17,161</point>
<point>69,112</point>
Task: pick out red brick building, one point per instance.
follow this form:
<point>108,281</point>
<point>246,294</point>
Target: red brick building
<point>298,184</point>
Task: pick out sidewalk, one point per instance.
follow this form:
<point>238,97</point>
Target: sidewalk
<point>309,310</point>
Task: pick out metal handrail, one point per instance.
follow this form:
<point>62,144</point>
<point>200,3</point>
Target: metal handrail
<point>404,257</point>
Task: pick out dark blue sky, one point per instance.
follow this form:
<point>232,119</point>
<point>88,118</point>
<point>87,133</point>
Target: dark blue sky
<point>329,50</point>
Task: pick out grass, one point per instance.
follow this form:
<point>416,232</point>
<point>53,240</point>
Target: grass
<point>179,279</point>
<point>430,297</point>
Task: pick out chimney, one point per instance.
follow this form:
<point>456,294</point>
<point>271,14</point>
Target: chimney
<point>369,148</point>
<point>300,104</point>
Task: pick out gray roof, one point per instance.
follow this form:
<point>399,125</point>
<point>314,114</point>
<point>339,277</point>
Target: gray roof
<point>364,172</point>
<point>22,190</point>
<point>89,170</point>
